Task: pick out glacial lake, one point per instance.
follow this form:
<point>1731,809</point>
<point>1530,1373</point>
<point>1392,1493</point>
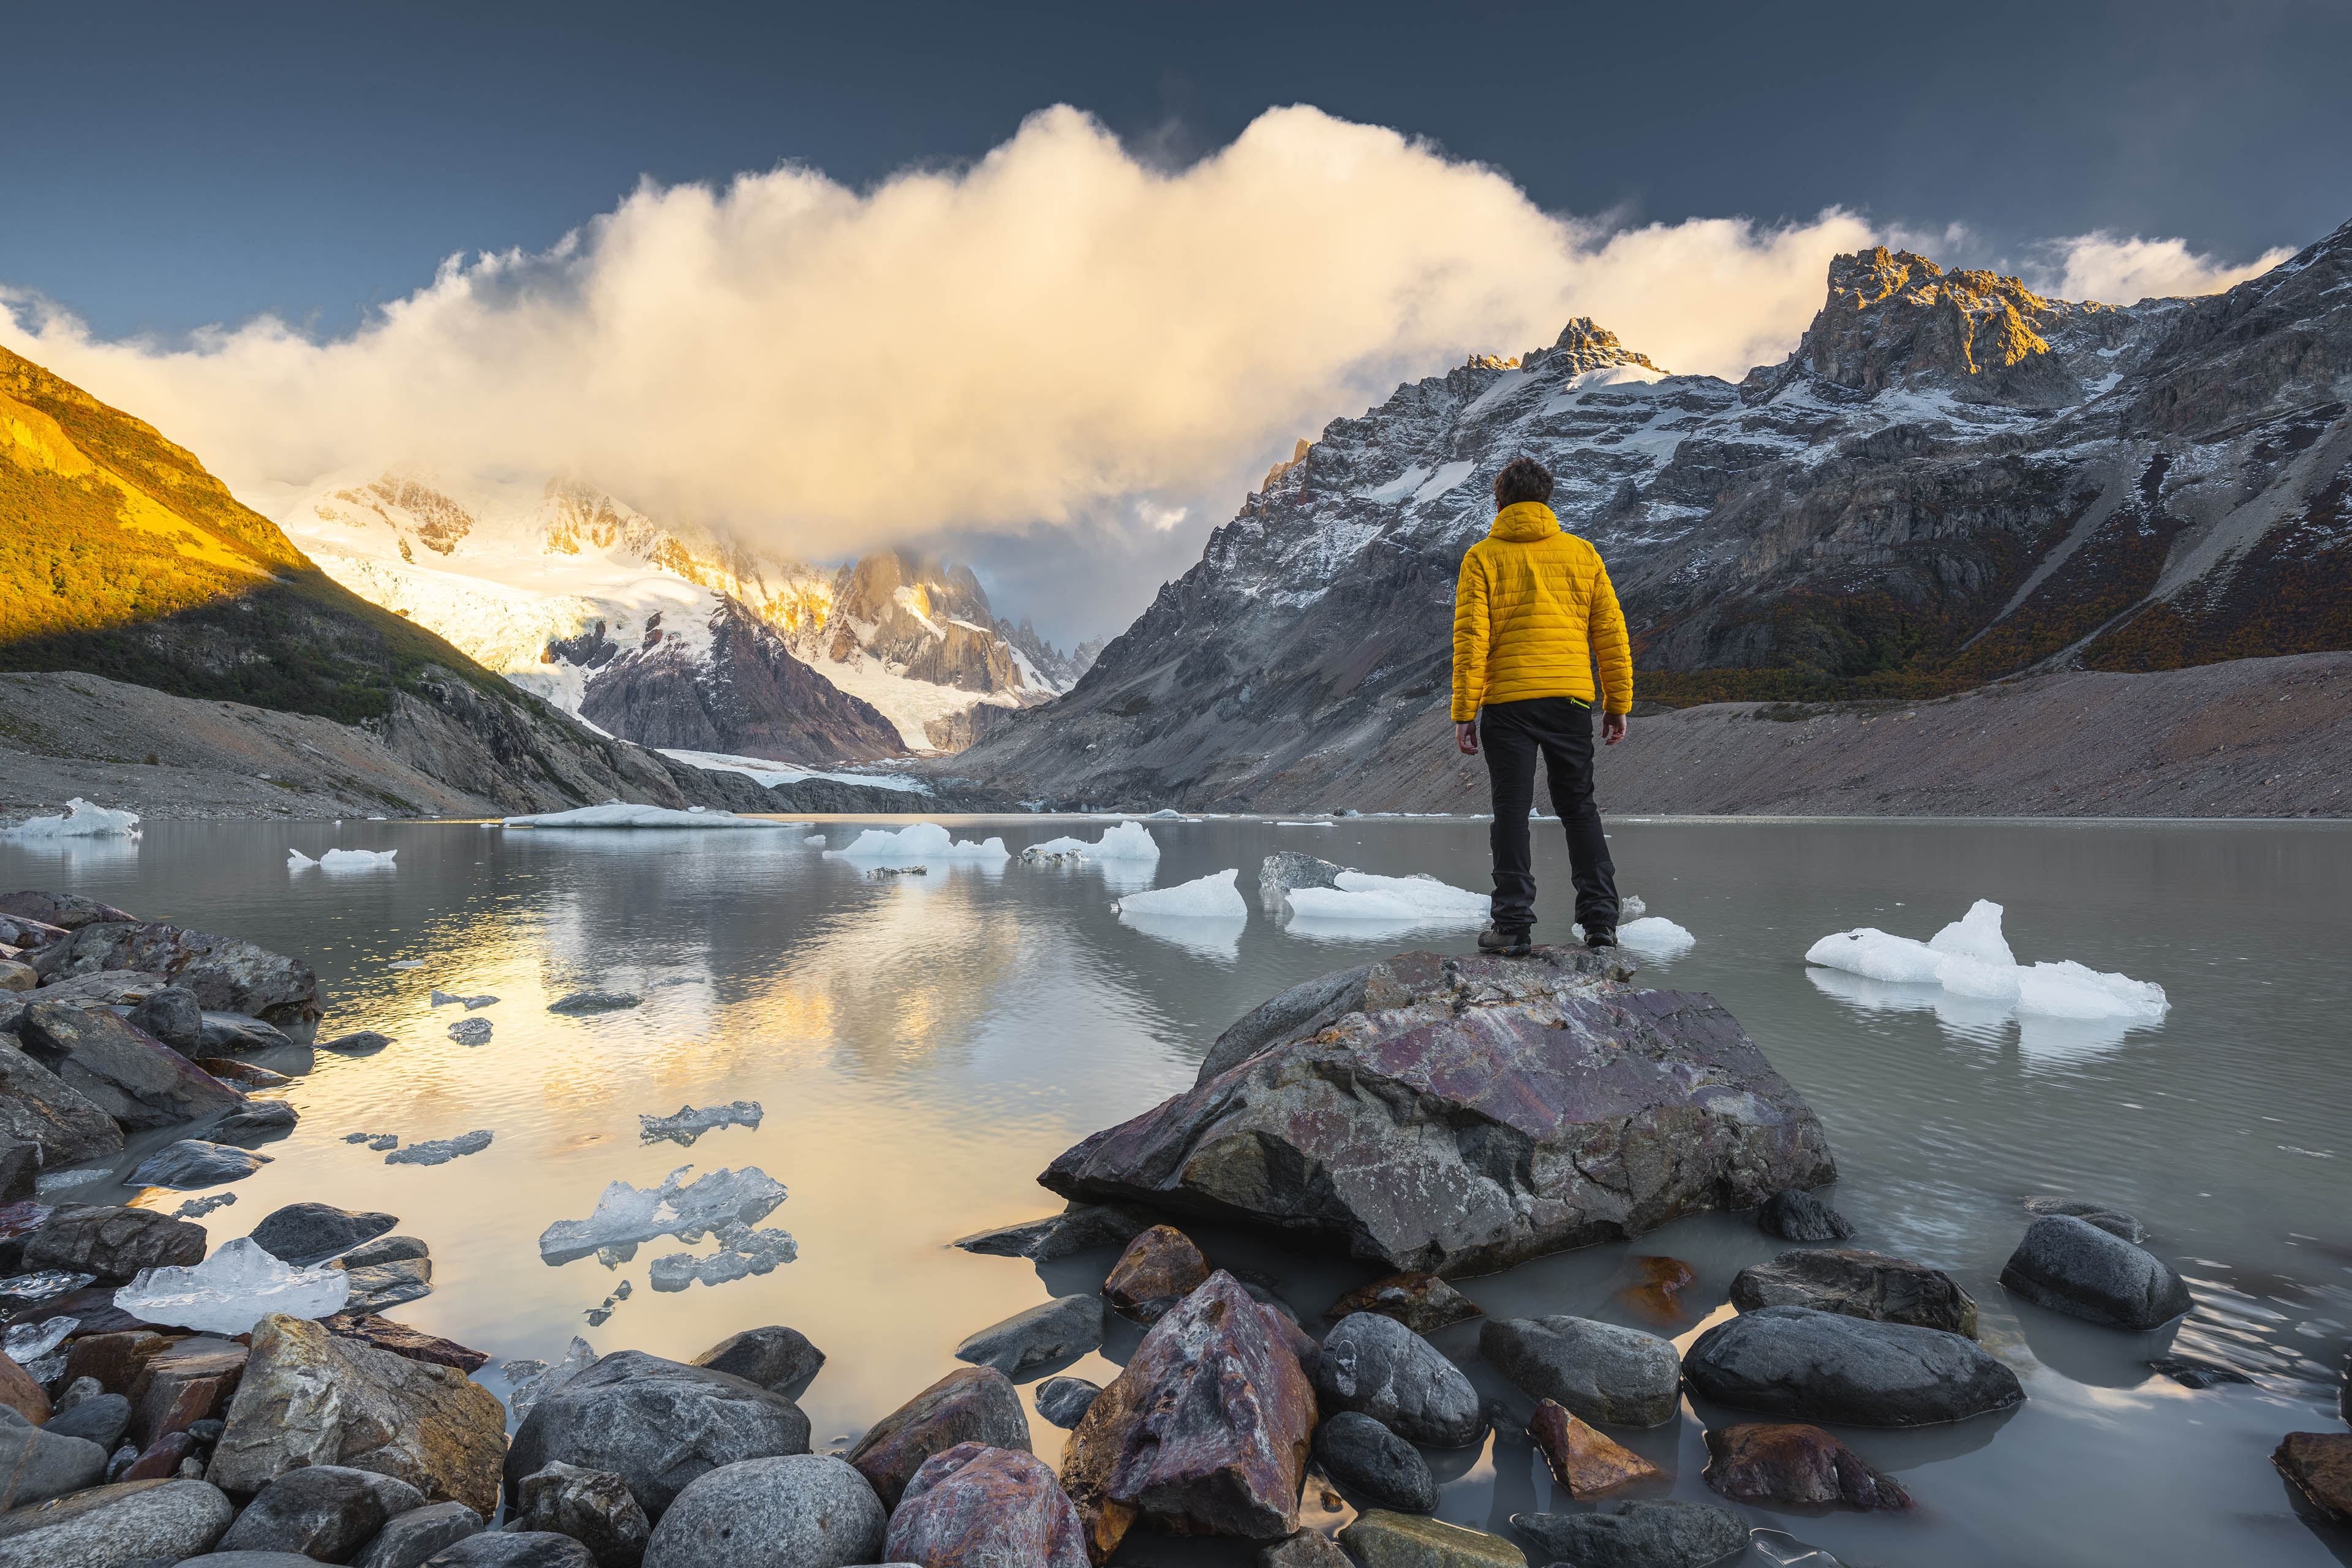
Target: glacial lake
<point>923,1045</point>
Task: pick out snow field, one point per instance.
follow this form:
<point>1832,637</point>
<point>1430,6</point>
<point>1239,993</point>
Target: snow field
<point>1970,958</point>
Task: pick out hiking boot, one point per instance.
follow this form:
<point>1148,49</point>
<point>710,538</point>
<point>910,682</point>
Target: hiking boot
<point>1597,940</point>
<point>1511,943</point>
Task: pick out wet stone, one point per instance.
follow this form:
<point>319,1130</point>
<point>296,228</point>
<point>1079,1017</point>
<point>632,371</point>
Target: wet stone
<point>408,1539</point>
<point>1069,1326</point>
<point>323,1511</point>
<point>1794,1215</point>
<point>1581,1459</point>
<point>1858,1283</point>
<point>774,1357</point>
<point>1792,1465</point>
<point>100,1419</point>
<point>1600,1372</point>
<point>2319,1466</point>
<point>309,1233</point>
<point>974,1405</point>
<point>975,1504</point>
<point>1638,1534</point>
<point>1079,1228</point>
<point>2071,1265</point>
<point>2197,1373</point>
<point>808,1511</point>
<point>1063,1400</point>
<point>1381,1538</point>
<point>593,1507</point>
<point>191,1162</point>
<point>1373,1464</point>
<point>1380,1367</point>
<point>1421,1302</point>
<point>2114,1221</point>
<point>1159,1265</point>
<point>1822,1366</point>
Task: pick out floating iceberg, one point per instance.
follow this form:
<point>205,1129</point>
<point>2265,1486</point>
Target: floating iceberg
<point>925,841</point>
<point>612,813</point>
<point>741,1251</point>
<point>626,1215</point>
<point>1127,841</point>
<point>691,1123</point>
<point>1407,900</point>
<point>1213,897</point>
<point>443,999</point>
<point>82,820</point>
<point>1970,958</point>
<point>471,1031</point>
<point>232,1289</point>
<point>439,1151</point>
<point>535,1380</point>
<point>1656,936</point>
<point>343,860</point>
<point>814,839</point>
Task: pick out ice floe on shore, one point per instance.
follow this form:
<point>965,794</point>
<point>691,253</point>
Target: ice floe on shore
<point>1971,959</point>
<point>82,820</point>
<point>613,814</point>
<point>924,842</point>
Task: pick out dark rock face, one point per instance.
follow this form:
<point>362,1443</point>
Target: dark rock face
<point>322,1511</point>
<point>2071,1265</point>
<point>1205,1431</point>
<point>2200,1374</point>
<point>1822,1366</point>
<point>1063,1400</point>
<point>37,1107</point>
<point>60,911</point>
<point>1860,1285</point>
<point>2114,1221</point>
<point>224,973</point>
<point>1377,1366</point>
<point>2319,1466</point>
<point>593,1507</point>
<point>517,1549</point>
<point>806,1511</point>
<point>408,1539</point>
<point>976,1504</point>
<point>1795,1214</point>
<point>100,1419</point>
<point>1421,1302</point>
<point>1660,1534</point>
<point>1372,1462</point>
<point>309,1233</point>
<point>1804,1466</point>
<point>977,1404</point>
<point>193,1163</point>
<point>173,1016</point>
<point>658,1424</point>
<point>776,1358</point>
<point>113,1243</point>
<point>130,1077</point>
<point>1488,1111</point>
<point>1600,1372</point>
<point>1157,1266</point>
<point>1066,1326</point>
<point>258,1121</point>
<point>400,1340</point>
<point>183,1382</point>
<point>1079,1228</point>
<point>359,1044</point>
<point>36,1464</point>
<point>122,1523</point>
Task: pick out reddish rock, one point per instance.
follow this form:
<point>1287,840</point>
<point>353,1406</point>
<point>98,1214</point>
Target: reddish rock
<point>1656,1290</point>
<point>1159,1264</point>
<point>971,1404</point>
<point>184,1383</point>
<point>19,1393</point>
<point>1206,1432</point>
<point>161,1458</point>
<point>1421,1302</point>
<point>116,1359</point>
<point>1773,1462</point>
<point>1581,1459</point>
<point>2319,1466</point>
<point>976,1504</point>
<point>400,1340</point>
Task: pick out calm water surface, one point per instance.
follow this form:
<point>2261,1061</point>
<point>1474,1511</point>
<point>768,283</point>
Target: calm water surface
<point>923,1047</point>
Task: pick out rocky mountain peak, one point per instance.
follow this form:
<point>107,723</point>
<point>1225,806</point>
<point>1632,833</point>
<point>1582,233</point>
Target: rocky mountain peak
<point>1584,344</point>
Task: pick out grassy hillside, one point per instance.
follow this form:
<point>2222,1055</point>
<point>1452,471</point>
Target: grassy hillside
<point>121,556</point>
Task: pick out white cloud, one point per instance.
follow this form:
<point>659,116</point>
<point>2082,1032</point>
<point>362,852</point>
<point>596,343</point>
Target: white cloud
<point>2101,266</point>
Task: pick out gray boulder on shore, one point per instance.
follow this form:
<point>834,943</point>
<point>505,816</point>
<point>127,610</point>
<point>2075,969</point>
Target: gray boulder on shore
<point>2071,1265</point>
<point>1378,1367</point>
<point>1066,1326</point>
<point>113,1524</point>
<point>805,1511</point>
<point>1660,1533</point>
<point>1600,1372</point>
<point>1824,1366</point>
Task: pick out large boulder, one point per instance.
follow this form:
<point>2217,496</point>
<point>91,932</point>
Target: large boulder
<point>659,1425</point>
<point>2319,1466</point>
<point>39,1108</point>
<point>1860,1285</point>
<point>803,1511</point>
<point>183,1382</point>
<point>323,1511</point>
<point>777,1358</point>
<point>36,1464</point>
<point>1791,1465</point>
<point>310,1397</point>
<point>2072,1265</point>
<point>1204,1431</point>
<point>109,1526</point>
<point>408,1539</point>
<point>593,1507</point>
<point>1459,1115</point>
<point>1639,1534</point>
<point>138,1081</point>
<point>1824,1367</point>
<point>975,1504</point>
<point>113,1243</point>
<point>1378,1367</point>
<point>1158,1266</point>
<point>61,913</point>
<point>971,1404</point>
<point>1371,1462</point>
<point>173,1016</point>
<point>1064,1327</point>
<point>308,1232</point>
<point>1601,1372</point>
<point>511,1549</point>
<point>226,973</point>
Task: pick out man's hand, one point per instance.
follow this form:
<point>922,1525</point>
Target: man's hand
<point>1612,729</point>
<point>1465,736</point>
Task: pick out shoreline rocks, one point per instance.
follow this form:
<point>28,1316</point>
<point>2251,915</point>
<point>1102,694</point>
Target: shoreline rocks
<point>1377,1366</point>
<point>1807,1365</point>
<point>1858,1283</point>
<point>970,1406</point>
<point>1795,1465</point>
<point>1662,1534</point>
<point>1600,1372</point>
<point>1369,1461</point>
<point>1581,1458</point>
<point>2071,1265</point>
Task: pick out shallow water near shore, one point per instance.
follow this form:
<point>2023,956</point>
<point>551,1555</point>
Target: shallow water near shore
<point>923,1045</point>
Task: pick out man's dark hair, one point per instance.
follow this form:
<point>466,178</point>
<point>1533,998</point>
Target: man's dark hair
<point>1522,479</point>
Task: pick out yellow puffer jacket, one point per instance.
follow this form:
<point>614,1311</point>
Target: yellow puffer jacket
<point>1532,612</point>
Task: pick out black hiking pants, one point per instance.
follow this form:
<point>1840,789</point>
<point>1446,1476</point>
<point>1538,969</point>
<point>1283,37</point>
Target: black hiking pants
<point>1559,729</point>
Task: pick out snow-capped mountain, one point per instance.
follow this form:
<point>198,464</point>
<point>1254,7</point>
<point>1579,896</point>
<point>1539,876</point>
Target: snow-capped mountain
<point>1949,480</point>
<point>674,635</point>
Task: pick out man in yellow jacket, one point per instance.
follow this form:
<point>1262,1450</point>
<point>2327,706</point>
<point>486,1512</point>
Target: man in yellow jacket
<point>1533,613</point>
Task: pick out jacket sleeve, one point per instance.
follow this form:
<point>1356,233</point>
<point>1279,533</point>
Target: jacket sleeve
<point>1612,650</point>
<point>1470,630</point>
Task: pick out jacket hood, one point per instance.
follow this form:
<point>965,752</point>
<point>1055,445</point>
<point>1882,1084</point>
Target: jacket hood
<point>1524,522</point>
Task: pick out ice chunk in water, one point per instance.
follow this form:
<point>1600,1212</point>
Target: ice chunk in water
<point>925,841</point>
<point>1125,841</point>
<point>1874,955</point>
<point>1783,1550</point>
<point>471,1031</point>
<point>677,1207</point>
<point>28,1343</point>
<point>439,1151</point>
<point>742,1251</point>
<point>232,1289</point>
<point>1213,897</point>
<point>2069,990</point>
<point>82,820</point>
<point>1657,935</point>
<point>1970,958</point>
<point>357,859</point>
<point>535,1380</point>
<point>691,1123</point>
<point>1977,935</point>
<point>26,1290</point>
<point>296,859</point>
